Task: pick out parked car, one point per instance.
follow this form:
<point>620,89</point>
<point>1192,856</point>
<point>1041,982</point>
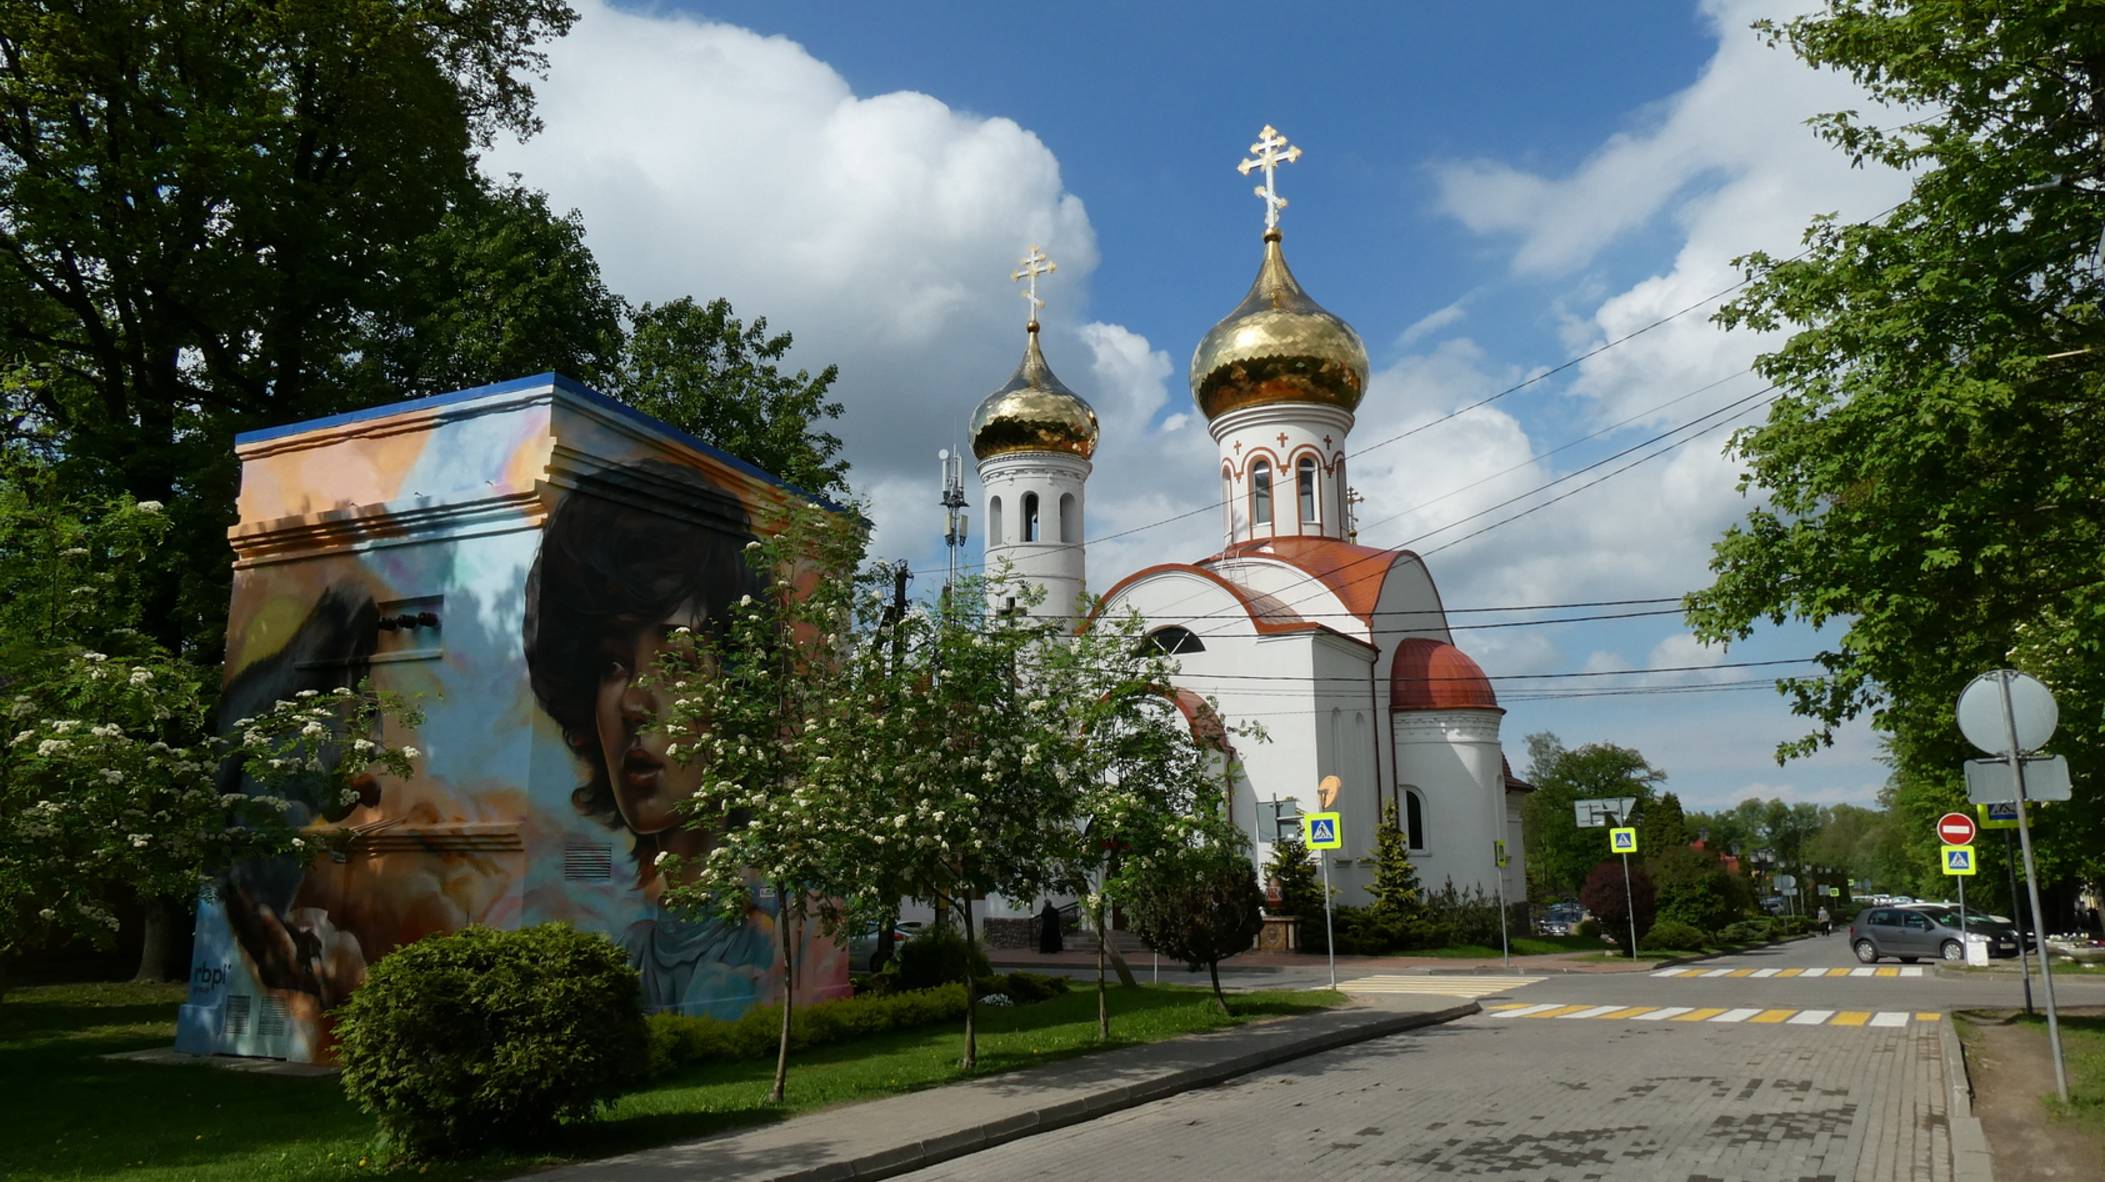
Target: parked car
<point>1924,931</point>
<point>866,950</point>
<point>1562,919</point>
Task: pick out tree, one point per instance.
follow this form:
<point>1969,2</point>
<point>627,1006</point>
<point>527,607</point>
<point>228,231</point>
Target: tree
<point>1929,475</point>
<point>701,370</point>
<point>1293,870</point>
<point>770,711</point>
<point>1604,895</point>
<point>1397,895</point>
<point>1197,900</point>
<point>202,205</point>
<point>1666,826</point>
<point>1559,852</point>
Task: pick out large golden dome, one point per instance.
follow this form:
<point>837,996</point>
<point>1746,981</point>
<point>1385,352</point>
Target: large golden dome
<point>1033,411</point>
<point>1278,346</point>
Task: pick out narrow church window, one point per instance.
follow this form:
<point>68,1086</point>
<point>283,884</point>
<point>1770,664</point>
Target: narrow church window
<point>1306,476</point>
<point>1176,639</point>
<point>1414,820</point>
<point>1261,493</point>
<point>994,521</point>
<point>1030,517</point>
<point>1070,519</point>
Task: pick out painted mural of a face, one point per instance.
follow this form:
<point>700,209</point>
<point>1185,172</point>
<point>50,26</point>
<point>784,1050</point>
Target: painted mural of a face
<point>615,578</point>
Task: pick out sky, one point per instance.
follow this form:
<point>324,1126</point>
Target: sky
<point>1489,193</point>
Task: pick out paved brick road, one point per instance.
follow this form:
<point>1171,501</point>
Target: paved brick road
<point>1499,1098</point>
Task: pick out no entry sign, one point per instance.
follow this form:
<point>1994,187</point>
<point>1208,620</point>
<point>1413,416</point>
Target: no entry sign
<point>1955,829</point>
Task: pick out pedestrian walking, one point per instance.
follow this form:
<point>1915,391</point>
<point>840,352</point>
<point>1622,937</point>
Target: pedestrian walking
<point>1827,923</point>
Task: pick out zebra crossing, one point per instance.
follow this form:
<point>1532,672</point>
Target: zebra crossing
<point>1437,986</point>
<point>1880,972</point>
<point>1755,1015</point>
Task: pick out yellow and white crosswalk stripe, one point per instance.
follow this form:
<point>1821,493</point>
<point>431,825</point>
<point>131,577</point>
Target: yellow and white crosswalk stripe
<point>1471,987</point>
<point>1748,1014</point>
<point>1878,971</point>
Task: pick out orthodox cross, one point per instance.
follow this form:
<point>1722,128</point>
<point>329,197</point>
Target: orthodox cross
<point>1269,157</point>
<point>1034,264</point>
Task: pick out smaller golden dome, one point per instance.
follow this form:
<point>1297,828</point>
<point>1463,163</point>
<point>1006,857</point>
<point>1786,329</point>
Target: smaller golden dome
<point>1033,411</point>
<point>1278,346</point>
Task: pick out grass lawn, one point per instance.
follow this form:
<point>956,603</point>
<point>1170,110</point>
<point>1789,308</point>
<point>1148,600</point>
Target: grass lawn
<point>71,1114</point>
<point>2083,1053</point>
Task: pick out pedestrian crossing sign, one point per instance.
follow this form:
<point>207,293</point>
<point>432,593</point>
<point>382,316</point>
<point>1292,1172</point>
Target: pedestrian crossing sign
<point>1958,859</point>
<point>1622,841</point>
<point>1324,831</point>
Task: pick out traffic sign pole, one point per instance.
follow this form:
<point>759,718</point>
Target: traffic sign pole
<point>1629,907</point>
<point>2024,838</point>
<point>2024,968</point>
<point>1330,940</point>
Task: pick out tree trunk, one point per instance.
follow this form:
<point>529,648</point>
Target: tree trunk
<point>153,950</point>
<point>971,1060</point>
<point>789,993</point>
<point>1103,993</point>
<point>1213,969</point>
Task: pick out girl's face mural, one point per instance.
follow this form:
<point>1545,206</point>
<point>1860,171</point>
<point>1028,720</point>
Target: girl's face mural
<point>648,784</point>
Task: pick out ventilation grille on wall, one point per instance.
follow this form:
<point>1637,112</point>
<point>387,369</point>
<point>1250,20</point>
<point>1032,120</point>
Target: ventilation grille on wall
<point>270,1018</point>
<point>237,1014</point>
<point>588,861</point>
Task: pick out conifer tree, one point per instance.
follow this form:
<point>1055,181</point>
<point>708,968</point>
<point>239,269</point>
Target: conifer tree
<point>1397,896</point>
<point>1300,891</point>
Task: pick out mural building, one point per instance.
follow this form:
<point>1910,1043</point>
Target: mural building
<point>510,557</point>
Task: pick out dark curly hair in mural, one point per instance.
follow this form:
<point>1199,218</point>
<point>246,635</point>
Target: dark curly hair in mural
<point>627,552</point>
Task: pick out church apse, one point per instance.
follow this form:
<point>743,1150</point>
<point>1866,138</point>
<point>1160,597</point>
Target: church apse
<point>508,557</point>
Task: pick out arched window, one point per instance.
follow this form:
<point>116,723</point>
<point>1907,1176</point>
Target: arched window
<point>1413,820</point>
<point>1228,504</point>
<point>1030,517</point>
<point>1339,490</point>
<point>1305,480</point>
<point>1261,493</point>
<point>994,521</point>
<point>1176,639</point>
<point>1070,518</point>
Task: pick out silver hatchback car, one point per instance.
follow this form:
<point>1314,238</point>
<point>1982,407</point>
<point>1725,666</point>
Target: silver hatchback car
<point>1924,932</point>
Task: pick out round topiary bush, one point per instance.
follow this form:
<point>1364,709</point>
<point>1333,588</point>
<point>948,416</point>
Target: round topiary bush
<point>492,1038</point>
<point>1671,935</point>
<point>939,956</point>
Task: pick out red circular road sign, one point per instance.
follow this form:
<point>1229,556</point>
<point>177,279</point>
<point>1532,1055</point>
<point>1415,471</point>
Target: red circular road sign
<point>1955,828</point>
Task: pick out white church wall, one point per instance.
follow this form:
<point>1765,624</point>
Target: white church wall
<point>1048,553</point>
<point>1516,848</point>
<point>1339,726</point>
<point>1452,758</point>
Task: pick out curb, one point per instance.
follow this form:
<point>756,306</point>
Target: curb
<point>915,1155</point>
<point>1971,1160</point>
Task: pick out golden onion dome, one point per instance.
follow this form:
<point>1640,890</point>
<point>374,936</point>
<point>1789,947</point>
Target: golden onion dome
<point>1033,411</point>
<point>1278,346</point>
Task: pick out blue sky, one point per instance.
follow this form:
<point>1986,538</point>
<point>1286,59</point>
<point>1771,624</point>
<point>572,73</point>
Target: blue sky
<point>1488,191</point>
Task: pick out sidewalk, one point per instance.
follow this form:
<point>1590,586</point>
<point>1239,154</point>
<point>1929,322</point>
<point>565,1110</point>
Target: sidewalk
<point>881,1138</point>
<point>1357,966</point>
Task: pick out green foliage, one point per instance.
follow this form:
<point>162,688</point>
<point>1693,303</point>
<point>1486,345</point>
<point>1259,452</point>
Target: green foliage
<point>1695,889</point>
<point>488,1038</point>
<point>937,956</point>
<point>1747,931</point>
<point>697,367</point>
<point>677,1040</point>
<point>1589,928</point>
<point>1395,888</point>
<point>1294,872</point>
<point>1200,903</point>
<point>1929,475</point>
<point>1665,825</point>
<point>1604,896</point>
<point>1672,935</point>
<point>1559,853</point>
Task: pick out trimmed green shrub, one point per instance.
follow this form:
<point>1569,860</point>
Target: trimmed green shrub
<point>1671,935</point>
<point>1590,928</point>
<point>680,1039</point>
<point>1030,987</point>
<point>489,1038</point>
<point>939,956</point>
<point>1745,931</point>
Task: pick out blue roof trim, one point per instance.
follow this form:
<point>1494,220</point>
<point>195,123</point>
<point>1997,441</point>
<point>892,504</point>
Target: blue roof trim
<point>570,386</point>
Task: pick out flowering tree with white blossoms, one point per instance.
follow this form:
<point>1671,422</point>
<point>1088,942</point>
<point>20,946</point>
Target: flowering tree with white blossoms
<point>111,780</point>
<point>772,707</point>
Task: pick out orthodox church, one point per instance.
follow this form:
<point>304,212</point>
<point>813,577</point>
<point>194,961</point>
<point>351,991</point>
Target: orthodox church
<point>1341,652</point>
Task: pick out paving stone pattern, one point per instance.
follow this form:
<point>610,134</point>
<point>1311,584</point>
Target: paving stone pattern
<point>1485,1098</point>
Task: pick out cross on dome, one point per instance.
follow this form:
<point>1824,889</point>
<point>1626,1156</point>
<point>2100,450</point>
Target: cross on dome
<point>1034,264</point>
<point>1269,156</point>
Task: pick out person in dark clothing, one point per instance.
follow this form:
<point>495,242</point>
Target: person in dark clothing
<point>1049,928</point>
